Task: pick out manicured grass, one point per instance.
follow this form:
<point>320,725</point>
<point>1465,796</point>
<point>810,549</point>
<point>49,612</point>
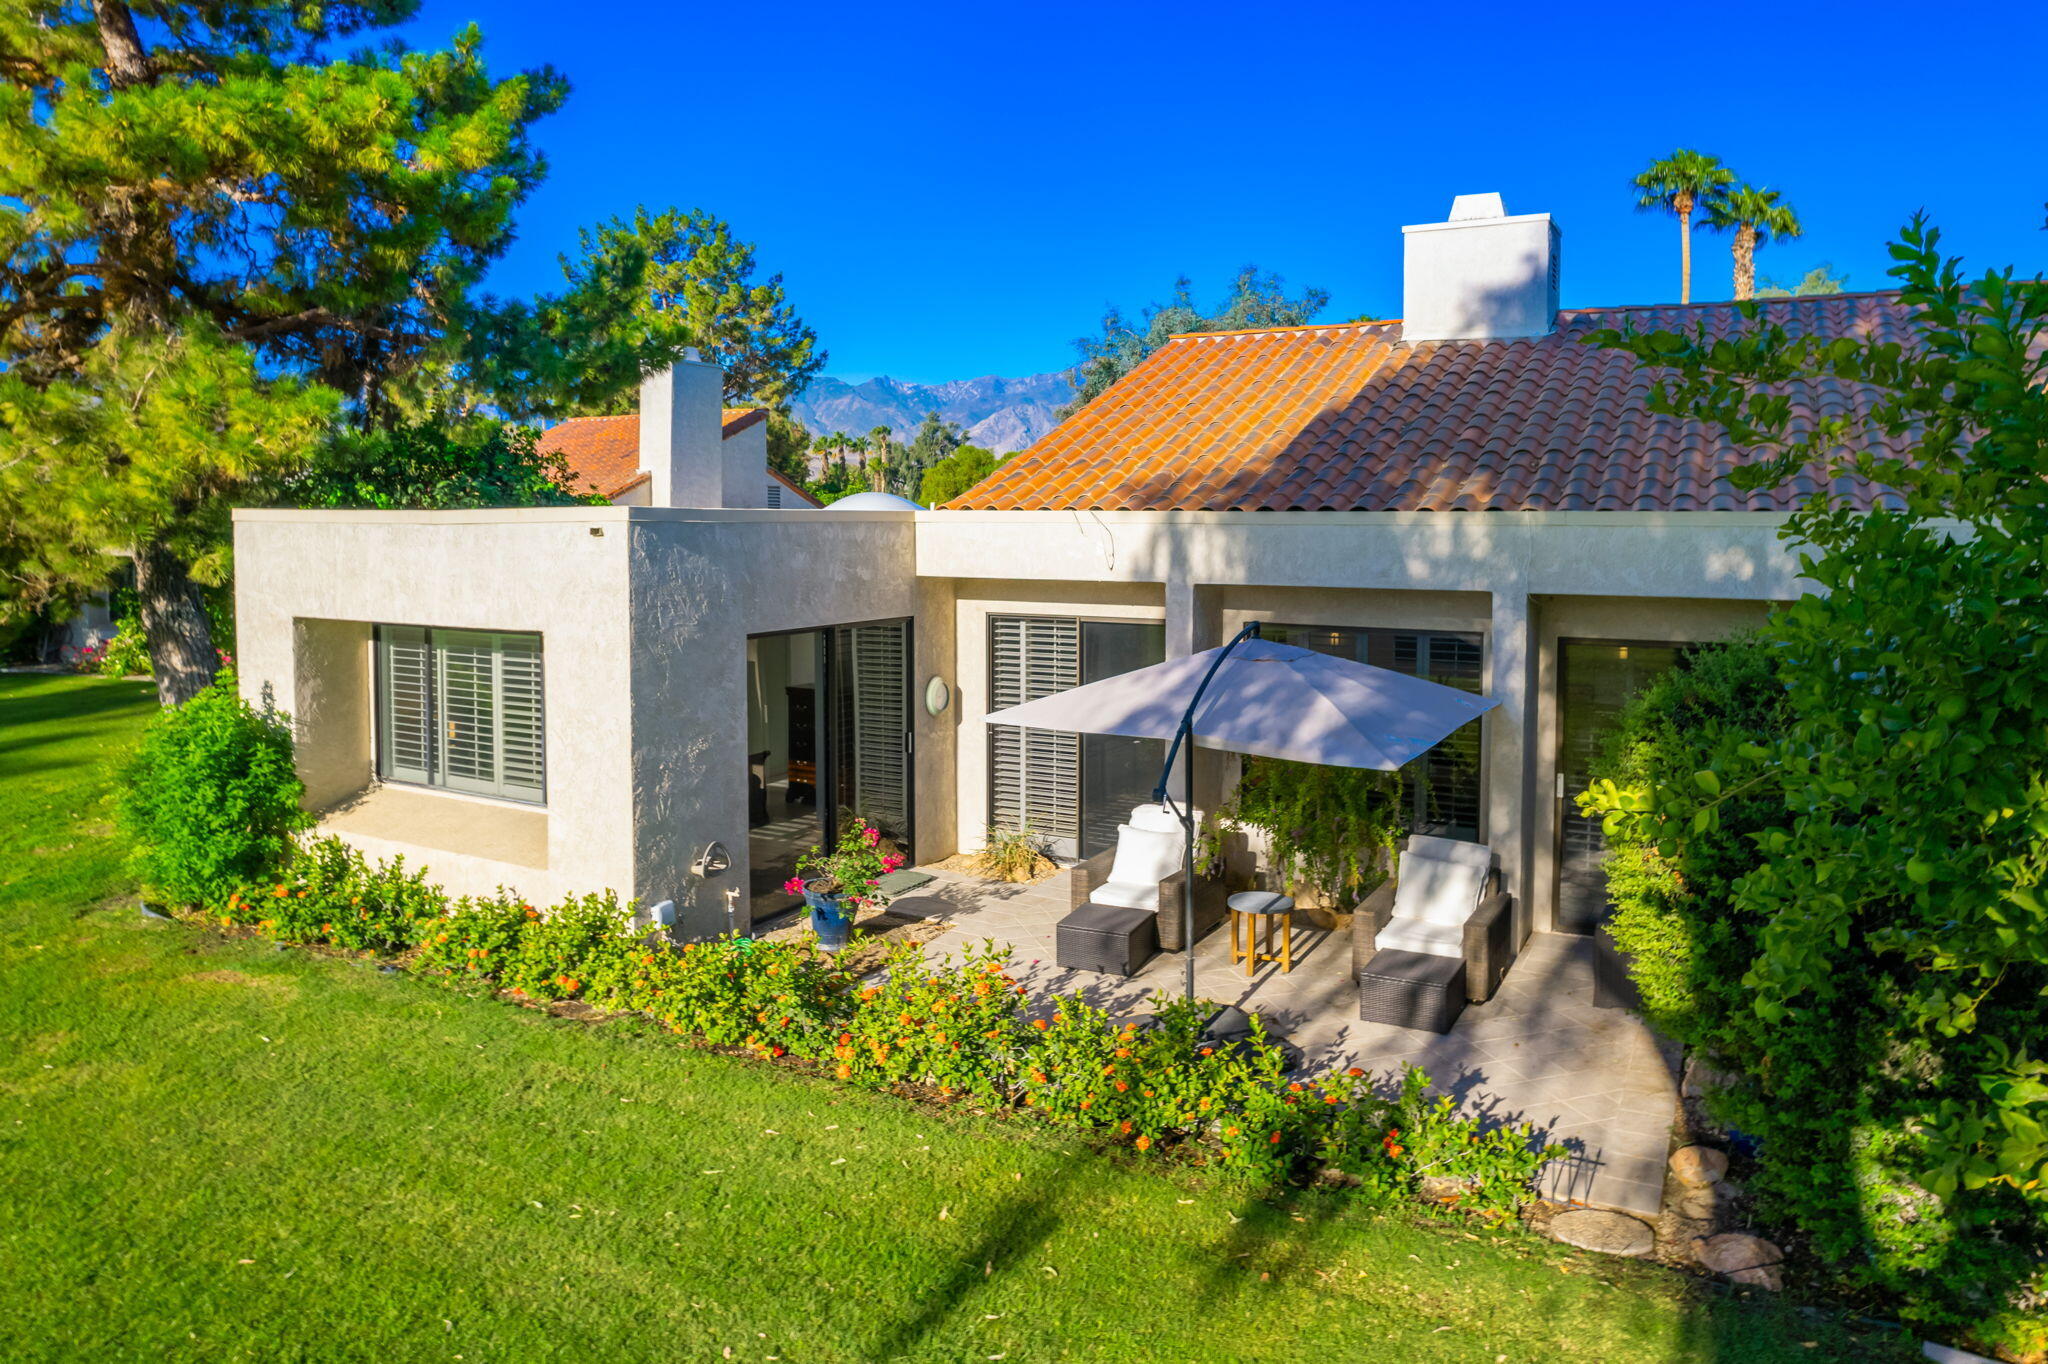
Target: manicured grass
<point>210,1149</point>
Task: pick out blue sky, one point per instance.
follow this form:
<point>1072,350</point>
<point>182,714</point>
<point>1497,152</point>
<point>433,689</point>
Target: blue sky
<point>958,190</point>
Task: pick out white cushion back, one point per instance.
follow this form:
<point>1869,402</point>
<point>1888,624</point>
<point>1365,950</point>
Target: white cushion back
<point>1436,891</point>
<point>1155,819</point>
<point>1451,850</point>
<point>1146,856</point>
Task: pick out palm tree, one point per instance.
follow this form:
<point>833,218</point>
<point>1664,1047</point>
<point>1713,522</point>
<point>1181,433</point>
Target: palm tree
<point>1681,183</point>
<point>1755,216</point>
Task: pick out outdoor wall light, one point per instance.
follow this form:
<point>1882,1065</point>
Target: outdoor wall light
<point>937,696</point>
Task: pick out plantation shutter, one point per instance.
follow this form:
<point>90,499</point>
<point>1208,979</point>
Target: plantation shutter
<point>405,715</point>
<point>522,746</point>
<point>466,711</point>
<point>873,666</point>
<point>1034,774</point>
<point>462,709</point>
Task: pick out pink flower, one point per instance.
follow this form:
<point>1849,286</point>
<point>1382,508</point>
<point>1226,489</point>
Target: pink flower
<point>874,883</point>
<point>891,861</point>
<point>873,836</point>
<point>793,886</point>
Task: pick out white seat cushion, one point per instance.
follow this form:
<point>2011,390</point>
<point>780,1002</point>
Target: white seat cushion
<point>1127,895</point>
<point>1144,858</point>
<point>1451,850</point>
<point>1155,819</point>
<point>1437,892</point>
<point>1416,935</point>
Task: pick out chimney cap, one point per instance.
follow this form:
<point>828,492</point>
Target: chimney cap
<point>1466,207</point>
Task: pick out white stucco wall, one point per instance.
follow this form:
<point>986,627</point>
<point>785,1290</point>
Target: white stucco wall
<point>561,572</point>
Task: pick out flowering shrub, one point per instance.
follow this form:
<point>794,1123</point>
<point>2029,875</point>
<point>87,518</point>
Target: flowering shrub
<point>1392,1144</point>
<point>556,954</point>
<point>777,998</point>
<point>963,1027</point>
<point>477,936</point>
<point>331,894</point>
<point>954,1025</point>
<point>853,870</point>
<point>124,654</point>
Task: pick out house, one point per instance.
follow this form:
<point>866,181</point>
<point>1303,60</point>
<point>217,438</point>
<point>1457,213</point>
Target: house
<point>671,695</point>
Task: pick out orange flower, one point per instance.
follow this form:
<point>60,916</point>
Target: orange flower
<point>1294,1088</point>
<point>1124,1126</point>
<point>1144,1143</point>
<point>1123,1051</point>
<point>279,892</point>
<point>1040,1024</point>
<point>1275,1139</point>
<point>845,1072</point>
<point>1087,1104</point>
<point>1354,1072</point>
<point>1208,1051</point>
<point>1037,1077</point>
<point>1329,1098</point>
<point>1230,1131</point>
<point>1121,1087</point>
<point>1203,1103</point>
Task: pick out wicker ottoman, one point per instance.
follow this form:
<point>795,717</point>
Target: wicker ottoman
<point>1412,990</point>
<point>1106,938</point>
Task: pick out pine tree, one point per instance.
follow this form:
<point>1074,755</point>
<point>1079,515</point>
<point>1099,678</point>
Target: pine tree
<point>198,197</point>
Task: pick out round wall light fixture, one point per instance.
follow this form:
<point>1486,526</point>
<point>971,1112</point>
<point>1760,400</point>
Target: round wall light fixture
<point>937,696</point>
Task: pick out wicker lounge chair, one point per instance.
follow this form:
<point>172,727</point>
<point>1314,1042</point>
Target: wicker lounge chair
<point>1445,900</point>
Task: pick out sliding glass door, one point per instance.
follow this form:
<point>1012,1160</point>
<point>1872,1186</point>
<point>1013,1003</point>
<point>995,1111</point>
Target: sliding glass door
<point>1595,680</point>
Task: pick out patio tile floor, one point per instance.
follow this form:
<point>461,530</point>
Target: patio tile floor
<point>1597,1081</point>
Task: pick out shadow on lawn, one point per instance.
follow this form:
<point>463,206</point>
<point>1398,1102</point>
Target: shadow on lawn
<point>1023,1225</point>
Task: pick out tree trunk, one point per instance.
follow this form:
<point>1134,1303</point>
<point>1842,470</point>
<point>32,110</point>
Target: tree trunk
<point>174,619</point>
<point>127,62</point>
<point>1745,262</point>
<point>1685,251</point>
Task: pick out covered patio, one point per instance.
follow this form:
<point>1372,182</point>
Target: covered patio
<point>1595,1080</point>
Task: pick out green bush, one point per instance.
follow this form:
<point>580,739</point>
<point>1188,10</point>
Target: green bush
<point>210,802</point>
<point>126,654</point>
<point>963,1026</point>
<point>1329,828</point>
<point>330,894</point>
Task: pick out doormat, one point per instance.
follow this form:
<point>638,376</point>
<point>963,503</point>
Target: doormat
<point>903,882</point>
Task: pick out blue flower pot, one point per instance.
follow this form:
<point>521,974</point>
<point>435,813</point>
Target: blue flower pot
<point>829,920</point>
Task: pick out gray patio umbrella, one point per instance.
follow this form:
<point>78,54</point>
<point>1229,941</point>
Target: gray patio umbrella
<point>1264,698</point>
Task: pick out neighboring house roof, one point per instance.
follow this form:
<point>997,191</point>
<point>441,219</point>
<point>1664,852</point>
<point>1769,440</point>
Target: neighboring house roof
<point>603,453</point>
<point>1348,418</point>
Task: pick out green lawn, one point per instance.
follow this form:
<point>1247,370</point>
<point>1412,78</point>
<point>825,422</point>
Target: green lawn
<point>211,1149</point>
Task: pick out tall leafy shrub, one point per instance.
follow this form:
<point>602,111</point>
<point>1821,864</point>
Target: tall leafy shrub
<point>1327,827</point>
<point>1894,1048</point>
<point>1676,910</point>
<point>210,802</point>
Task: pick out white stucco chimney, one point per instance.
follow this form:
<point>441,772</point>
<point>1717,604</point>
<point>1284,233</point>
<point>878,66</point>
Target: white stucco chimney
<point>681,424</point>
<point>1481,275</point>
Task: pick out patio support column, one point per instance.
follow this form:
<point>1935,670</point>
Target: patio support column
<point>1510,666</point>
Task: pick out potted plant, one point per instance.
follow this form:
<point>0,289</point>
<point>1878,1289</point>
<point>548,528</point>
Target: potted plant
<point>1327,830</point>
<point>838,884</point>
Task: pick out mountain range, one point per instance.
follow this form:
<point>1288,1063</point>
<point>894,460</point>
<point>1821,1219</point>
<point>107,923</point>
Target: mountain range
<point>998,414</point>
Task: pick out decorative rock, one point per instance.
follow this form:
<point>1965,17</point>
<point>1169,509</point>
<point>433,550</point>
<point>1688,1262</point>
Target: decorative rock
<point>1741,1258</point>
<point>1610,1233</point>
<point>1699,1165</point>
<point>1705,1202</point>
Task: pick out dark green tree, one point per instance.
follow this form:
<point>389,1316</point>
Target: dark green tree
<point>789,448</point>
<point>194,199</point>
<point>434,465</point>
<point>638,294</point>
<point>936,438</point>
<point>955,474</point>
<point>1254,300</point>
<point>1889,1043</point>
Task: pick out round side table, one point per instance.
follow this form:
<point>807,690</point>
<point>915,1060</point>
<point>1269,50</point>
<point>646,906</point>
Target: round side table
<point>1247,908</point>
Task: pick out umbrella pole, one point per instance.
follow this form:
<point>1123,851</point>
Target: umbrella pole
<point>1187,880</point>
<point>1186,734</point>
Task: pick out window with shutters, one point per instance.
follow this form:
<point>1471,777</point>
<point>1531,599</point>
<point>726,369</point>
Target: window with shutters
<point>462,709</point>
<point>1072,790</point>
<point>1442,787</point>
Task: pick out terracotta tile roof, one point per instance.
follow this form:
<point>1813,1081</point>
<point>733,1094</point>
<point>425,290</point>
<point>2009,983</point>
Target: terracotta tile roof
<point>1347,418</point>
<point>603,453</point>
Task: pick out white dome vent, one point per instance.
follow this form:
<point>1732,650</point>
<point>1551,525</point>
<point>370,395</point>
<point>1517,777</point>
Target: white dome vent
<point>873,502</point>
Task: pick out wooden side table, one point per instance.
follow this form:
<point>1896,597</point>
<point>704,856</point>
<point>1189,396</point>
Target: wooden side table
<point>1246,909</point>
